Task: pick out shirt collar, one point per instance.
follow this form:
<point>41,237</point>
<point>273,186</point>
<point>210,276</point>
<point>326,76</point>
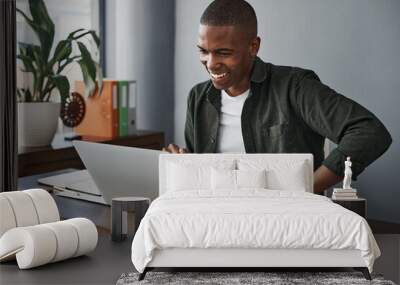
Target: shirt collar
<point>259,71</point>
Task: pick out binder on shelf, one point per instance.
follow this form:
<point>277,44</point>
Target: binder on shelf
<point>101,117</point>
<point>123,108</point>
<point>127,107</point>
<point>132,91</point>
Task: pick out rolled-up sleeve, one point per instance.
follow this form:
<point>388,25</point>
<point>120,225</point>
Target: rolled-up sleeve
<point>357,132</point>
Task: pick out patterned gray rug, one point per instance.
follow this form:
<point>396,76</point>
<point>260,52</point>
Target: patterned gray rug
<point>243,278</point>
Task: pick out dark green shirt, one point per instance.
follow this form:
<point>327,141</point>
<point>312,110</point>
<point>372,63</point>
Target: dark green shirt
<point>289,110</point>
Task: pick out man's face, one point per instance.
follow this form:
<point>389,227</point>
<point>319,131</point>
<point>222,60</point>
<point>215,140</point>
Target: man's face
<point>227,54</point>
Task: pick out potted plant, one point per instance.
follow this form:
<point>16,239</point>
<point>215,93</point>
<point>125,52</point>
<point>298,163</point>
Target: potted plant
<point>37,114</point>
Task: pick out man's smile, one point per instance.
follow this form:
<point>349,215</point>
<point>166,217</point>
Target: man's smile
<point>219,78</point>
<point>218,75</point>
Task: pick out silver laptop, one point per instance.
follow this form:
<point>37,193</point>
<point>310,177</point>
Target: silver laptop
<point>120,171</point>
<point>77,184</point>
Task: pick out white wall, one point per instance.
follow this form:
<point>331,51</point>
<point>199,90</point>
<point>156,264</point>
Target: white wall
<point>140,46</point>
<point>188,70</point>
<point>352,45</point>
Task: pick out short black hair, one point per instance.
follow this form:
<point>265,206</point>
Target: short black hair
<point>231,13</point>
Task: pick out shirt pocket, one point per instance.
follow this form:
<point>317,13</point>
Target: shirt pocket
<point>275,131</point>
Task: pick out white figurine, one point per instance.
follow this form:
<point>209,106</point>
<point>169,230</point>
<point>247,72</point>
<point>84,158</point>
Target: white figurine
<point>347,174</point>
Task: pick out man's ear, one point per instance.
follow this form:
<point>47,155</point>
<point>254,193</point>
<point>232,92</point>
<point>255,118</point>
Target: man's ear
<point>254,46</point>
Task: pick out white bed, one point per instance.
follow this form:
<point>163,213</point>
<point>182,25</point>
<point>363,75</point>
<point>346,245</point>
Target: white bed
<point>202,220</point>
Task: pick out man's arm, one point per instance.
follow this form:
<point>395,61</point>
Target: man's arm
<point>324,179</point>
<point>356,131</point>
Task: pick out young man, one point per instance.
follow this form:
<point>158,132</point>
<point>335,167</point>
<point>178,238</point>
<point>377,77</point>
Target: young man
<point>256,107</point>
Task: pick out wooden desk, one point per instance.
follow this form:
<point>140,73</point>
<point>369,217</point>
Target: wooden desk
<point>61,154</point>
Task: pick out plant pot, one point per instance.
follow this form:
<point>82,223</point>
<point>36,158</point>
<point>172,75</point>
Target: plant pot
<point>37,123</point>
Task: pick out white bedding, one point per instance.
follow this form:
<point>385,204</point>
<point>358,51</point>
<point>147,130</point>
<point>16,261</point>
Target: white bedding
<point>251,218</point>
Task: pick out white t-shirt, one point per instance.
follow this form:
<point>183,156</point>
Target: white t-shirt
<point>230,137</point>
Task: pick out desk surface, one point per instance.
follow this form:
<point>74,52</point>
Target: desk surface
<point>59,141</point>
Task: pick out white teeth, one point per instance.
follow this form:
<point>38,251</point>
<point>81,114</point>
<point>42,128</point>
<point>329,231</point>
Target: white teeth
<point>218,76</point>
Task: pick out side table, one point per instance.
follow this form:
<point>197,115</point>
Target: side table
<point>358,206</point>
<point>119,208</point>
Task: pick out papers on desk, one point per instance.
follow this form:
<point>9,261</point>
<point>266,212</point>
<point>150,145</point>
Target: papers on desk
<point>77,184</point>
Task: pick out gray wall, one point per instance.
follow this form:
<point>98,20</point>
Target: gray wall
<point>140,46</point>
<point>352,45</point>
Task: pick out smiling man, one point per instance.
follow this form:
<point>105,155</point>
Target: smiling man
<point>256,107</point>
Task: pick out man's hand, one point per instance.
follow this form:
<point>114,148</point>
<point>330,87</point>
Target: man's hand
<point>324,178</point>
<point>173,148</point>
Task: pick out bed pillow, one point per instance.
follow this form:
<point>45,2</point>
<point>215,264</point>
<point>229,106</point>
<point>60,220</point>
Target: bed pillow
<point>280,175</point>
<point>188,175</point>
<point>226,179</point>
<point>251,178</point>
<point>223,179</point>
<point>292,179</point>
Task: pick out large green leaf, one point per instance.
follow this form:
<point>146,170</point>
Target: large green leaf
<point>99,78</point>
<point>90,84</point>
<point>66,62</point>
<point>26,55</point>
<point>41,70</point>
<point>28,63</point>
<point>27,19</point>
<point>44,27</point>
<point>63,51</point>
<point>32,59</point>
<point>87,60</point>
<point>92,33</point>
<point>32,53</point>
<point>72,34</point>
<point>28,48</point>
<point>88,68</point>
<point>62,84</point>
<point>41,24</point>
